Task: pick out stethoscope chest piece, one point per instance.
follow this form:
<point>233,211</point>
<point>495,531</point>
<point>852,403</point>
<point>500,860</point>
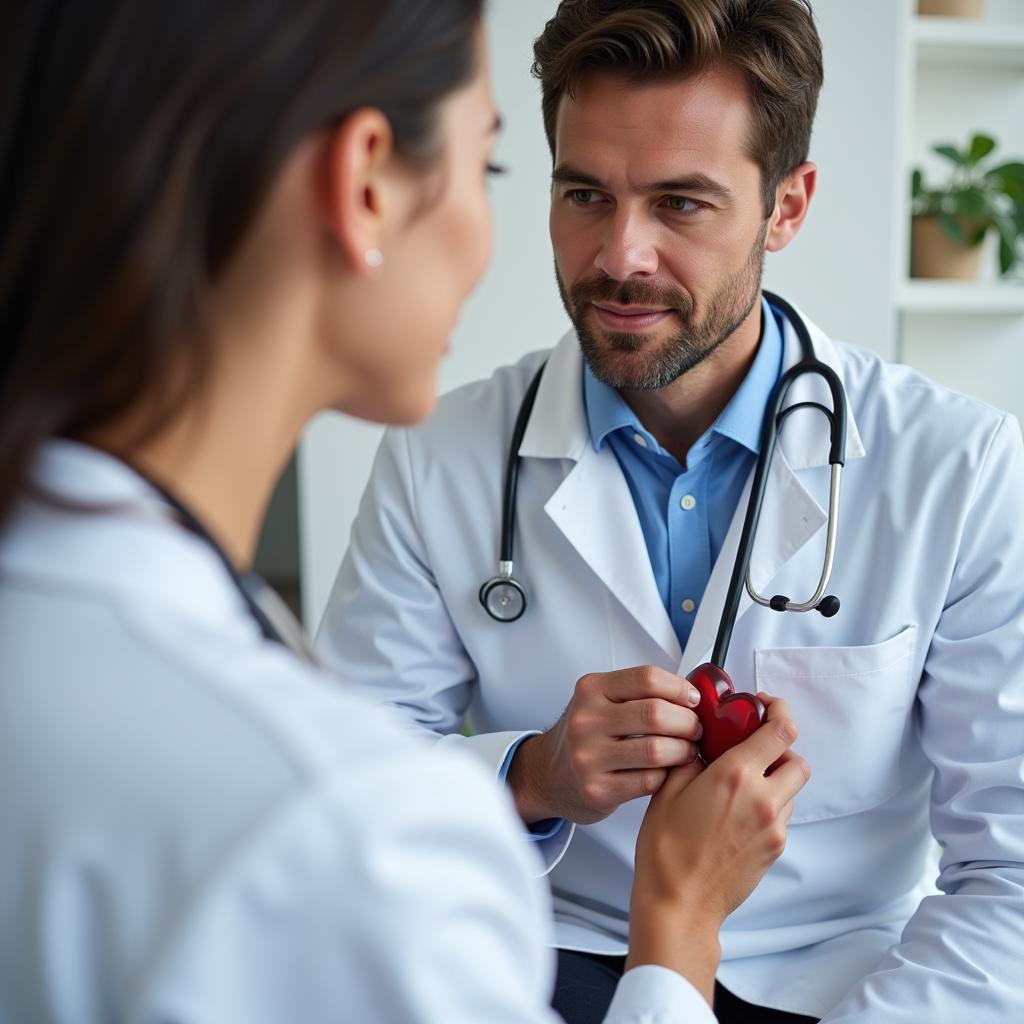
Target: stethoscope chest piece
<point>502,596</point>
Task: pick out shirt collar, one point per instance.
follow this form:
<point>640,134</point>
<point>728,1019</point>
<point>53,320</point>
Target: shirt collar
<point>741,419</point>
<point>607,410</point>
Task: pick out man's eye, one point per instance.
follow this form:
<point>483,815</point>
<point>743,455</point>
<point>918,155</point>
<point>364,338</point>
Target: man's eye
<point>680,204</point>
<point>583,196</point>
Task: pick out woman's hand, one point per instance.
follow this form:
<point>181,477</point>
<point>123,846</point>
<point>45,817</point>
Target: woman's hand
<point>709,835</point>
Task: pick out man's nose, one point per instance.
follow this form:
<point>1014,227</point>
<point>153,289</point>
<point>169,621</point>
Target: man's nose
<point>627,248</point>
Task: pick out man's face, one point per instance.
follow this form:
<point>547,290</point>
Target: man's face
<point>657,222</point>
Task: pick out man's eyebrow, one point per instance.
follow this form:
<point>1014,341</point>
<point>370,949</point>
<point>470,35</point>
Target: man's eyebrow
<point>692,183</point>
<point>700,183</point>
<point>566,175</point>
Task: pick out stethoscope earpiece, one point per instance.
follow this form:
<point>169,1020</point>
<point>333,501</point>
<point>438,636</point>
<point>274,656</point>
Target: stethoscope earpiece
<point>828,606</point>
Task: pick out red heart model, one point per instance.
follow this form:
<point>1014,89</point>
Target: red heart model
<point>728,717</point>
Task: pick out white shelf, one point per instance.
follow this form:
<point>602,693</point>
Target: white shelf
<point>963,41</point>
<point>954,297</point>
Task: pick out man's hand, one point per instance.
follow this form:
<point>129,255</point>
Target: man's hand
<point>616,741</point>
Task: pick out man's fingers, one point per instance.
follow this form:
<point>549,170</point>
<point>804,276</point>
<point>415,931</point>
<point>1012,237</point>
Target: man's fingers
<point>650,752</point>
<point>632,784</point>
<point>648,681</point>
<point>653,716</point>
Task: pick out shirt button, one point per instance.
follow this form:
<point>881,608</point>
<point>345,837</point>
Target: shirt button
<point>688,502</point>
<point>688,606</point>
<point>640,440</point>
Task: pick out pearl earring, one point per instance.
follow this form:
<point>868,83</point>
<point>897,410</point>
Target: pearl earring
<point>373,257</point>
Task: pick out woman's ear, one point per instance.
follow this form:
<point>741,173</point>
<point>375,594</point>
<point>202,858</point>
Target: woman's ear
<point>356,200</point>
<point>792,200</point>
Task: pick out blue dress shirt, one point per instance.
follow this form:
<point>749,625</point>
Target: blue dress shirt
<point>685,511</point>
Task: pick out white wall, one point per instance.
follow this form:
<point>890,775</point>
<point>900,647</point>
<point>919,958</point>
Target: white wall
<point>840,270</point>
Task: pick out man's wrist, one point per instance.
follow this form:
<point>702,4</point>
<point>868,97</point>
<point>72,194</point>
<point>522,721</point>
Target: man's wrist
<point>525,782</point>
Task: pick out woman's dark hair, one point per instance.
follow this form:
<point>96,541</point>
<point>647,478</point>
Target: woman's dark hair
<point>138,141</point>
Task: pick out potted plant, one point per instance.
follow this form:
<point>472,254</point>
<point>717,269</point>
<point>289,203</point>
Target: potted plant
<point>952,8</point>
<point>951,222</point>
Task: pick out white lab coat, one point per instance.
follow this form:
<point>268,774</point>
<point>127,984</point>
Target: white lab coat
<point>910,700</point>
<point>195,828</point>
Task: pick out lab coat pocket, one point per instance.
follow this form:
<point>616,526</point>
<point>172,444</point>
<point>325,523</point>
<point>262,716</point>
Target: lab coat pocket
<point>852,706</point>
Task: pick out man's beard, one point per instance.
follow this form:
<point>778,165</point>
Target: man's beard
<point>730,305</point>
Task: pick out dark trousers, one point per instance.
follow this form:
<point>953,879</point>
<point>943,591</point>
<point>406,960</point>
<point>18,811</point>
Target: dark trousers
<point>586,983</point>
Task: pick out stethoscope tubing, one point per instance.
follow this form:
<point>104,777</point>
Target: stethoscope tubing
<point>508,511</point>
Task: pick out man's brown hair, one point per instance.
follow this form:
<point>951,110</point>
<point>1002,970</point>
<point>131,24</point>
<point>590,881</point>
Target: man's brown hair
<point>773,43</point>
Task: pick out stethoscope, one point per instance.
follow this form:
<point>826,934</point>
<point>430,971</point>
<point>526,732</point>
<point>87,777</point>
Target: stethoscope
<point>504,597</point>
<point>275,620</point>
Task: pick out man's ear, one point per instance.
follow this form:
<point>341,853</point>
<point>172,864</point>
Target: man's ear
<point>792,199</point>
<point>354,199</point>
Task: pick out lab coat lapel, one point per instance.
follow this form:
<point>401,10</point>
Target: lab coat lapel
<point>593,507</point>
<point>790,515</point>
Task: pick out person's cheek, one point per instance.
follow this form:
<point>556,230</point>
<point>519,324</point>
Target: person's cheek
<point>472,240</point>
<point>568,249</point>
<point>485,240</point>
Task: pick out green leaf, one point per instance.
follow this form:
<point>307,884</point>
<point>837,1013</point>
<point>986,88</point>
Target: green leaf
<point>970,203</point>
<point>981,146</point>
<point>1008,235</point>
<point>916,186</point>
<point>1010,179</point>
<point>953,229</point>
<point>950,153</point>
<point>1013,170</point>
<point>1007,257</point>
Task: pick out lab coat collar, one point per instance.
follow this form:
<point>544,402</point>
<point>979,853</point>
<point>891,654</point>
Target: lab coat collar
<point>129,549</point>
<point>558,427</point>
